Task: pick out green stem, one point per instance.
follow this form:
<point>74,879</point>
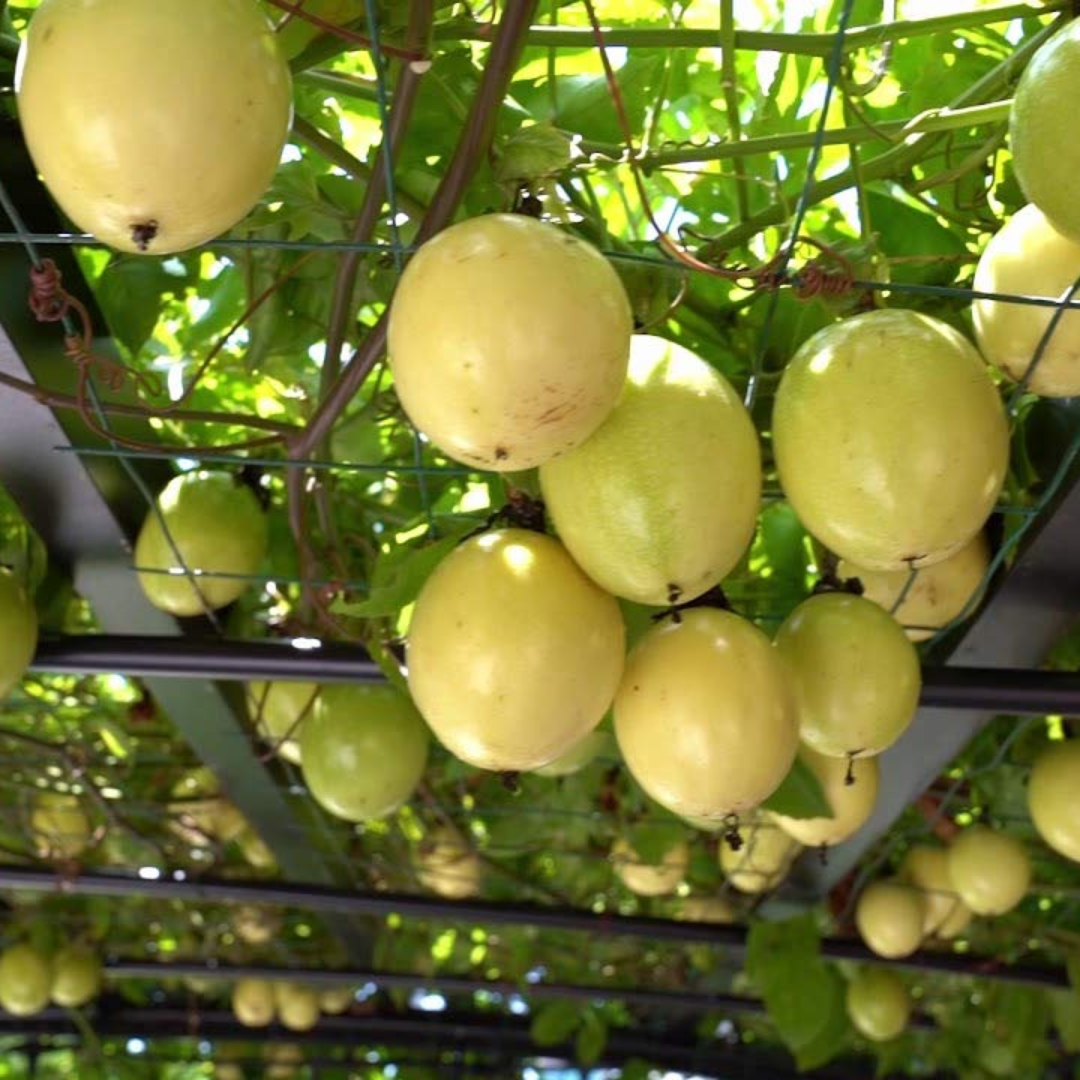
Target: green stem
<point>341,83</point>
<point>729,80</point>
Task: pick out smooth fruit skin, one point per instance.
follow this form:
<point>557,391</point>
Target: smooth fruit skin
<point>1042,132</point>
<point>18,631</point>
<point>253,1002</point>
<point>297,1006</point>
<point>990,871</point>
<point>650,879</point>
<point>856,676</point>
<point>852,804</point>
<point>661,501</point>
<point>76,977</point>
<point>25,980</point>
<point>938,594</point>
<point>204,521</point>
<point>60,827</point>
<point>156,126</point>
<point>513,653</point>
<point>1029,257</point>
<point>508,341</point>
<point>889,916</point>
<point>279,709</point>
<point>891,439</point>
<point>582,754</point>
<point>705,716</point>
<point>927,868</point>
<point>763,859</point>
<point>878,1004</point>
<point>447,865</point>
<point>364,750</point>
<point>1052,797</point>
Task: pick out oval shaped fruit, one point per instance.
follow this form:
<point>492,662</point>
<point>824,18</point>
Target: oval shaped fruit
<point>582,754</point>
<point>514,655</point>
<point>706,909</point>
<point>1041,132</point>
<point>76,977</point>
<point>335,1000</point>
<point>890,916</point>
<point>254,925</point>
<point>936,596</point>
<point>253,1002</point>
<point>363,751</point>
<point>18,631</point>
<point>1052,797</point>
<point>25,980</point>
<point>705,716</point>
<point>661,501</point>
<point>856,676</point>
<point>878,1004</point>
<point>278,710</point>
<point>650,879</point>
<point>927,868</point>
<point>1029,257</point>
<point>208,524</point>
<point>990,871</point>
<point>191,103</point>
<point>59,825</point>
<point>297,1006</point>
<point>763,859</point>
<point>852,803</point>
<point>508,341</point>
<point>447,864</point>
<point>891,439</point>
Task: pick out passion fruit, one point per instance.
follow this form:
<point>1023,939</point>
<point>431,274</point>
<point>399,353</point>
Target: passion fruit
<point>1052,801</point>
<point>253,1002</point>
<point>297,1006</point>
<point>447,864</point>
<point>927,868</point>
<point>763,858</point>
<point>278,710</point>
<point>851,790</point>
<point>60,826</point>
<point>878,1004</point>
<point>76,977</point>
<point>989,870</point>
<point>650,879</point>
<point>25,980</point>
<point>890,916</point>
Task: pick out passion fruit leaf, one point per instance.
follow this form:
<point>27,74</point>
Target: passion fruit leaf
<point>591,1038</point>
<point>834,1035</point>
<point>555,1022</point>
<point>800,795</point>
<point>923,249</point>
<point>1065,1009</point>
<point>534,152</point>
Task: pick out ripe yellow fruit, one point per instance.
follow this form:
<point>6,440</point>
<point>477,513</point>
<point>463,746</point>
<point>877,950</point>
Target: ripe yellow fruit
<point>514,655</point>
<point>661,501</point>
<point>649,879</point>
<point>878,1004</point>
<point>927,868</point>
<point>297,1006</point>
<point>335,1000</point>
<point>363,751</point>
<point>890,916</point>
<point>76,977</point>
<point>706,909</point>
<point>25,980</point>
<point>447,864</point>
<point>763,859</point>
<point>508,341</point>
<point>582,754</point>
<point>856,676</point>
<point>1029,257</point>
<point>1042,134</point>
<point>990,871</point>
<point>255,925</point>
<point>156,126</point>
<point>279,710</point>
<point>705,716</point>
<point>60,826</point>
<point>938,594</point>
<point>891,439</point>
<point>852,804</point>
<point>1052,797</point>
<point>253,1002</point>
<point>207,523</point>
<point>18,631</point>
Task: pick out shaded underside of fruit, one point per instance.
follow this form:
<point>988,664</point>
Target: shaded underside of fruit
<point>650,879</point>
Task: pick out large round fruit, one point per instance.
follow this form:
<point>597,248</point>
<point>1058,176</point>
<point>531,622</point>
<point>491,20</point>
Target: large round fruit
<point>990,871</point>
<point>297,1006</point>
<point>763,859</point>
<point>60,827</point>
<point>856,676</point>
<point>705,716</point>
<point>582,754</point>
<point>18,631</point>
<point>157,126</point>
<point>364,749</point>
<point>447,864</point>
<point>927,868</point>
<point>513,653</point>
<point>253,1002</point>
<point>1052,797</point>
<point>1046,154</point>
<point>852,803</point>
<point>706,909</point>
<point>25,980</point>
<point>76,977</point>
<point>279,710</point>
<point>508,341</point>
<point>661,501</point>
<point>891,439</point>
<point>1029,257</point>
<point>878,1004</point>
<point>335,1000</point>
<point>889,917</point>
<point>207,523</point>
<point>938,594</point>
<point>650,879</point>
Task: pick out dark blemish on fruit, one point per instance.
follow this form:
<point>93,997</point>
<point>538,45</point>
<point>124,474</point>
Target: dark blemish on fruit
<point>47,36</point>
<point>501,453</point>
<point>144,234</point>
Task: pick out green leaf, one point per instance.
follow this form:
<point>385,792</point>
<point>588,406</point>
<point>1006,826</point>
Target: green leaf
<point>800,795</point>
<point>130,293</point>
<point>1065,1008</point>
<point>534,152</point>
<point>654,839</point>
<point>835,1032</point>
<point>591,1039</point>
<point>555,1023</point>
<point>906,231</point>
